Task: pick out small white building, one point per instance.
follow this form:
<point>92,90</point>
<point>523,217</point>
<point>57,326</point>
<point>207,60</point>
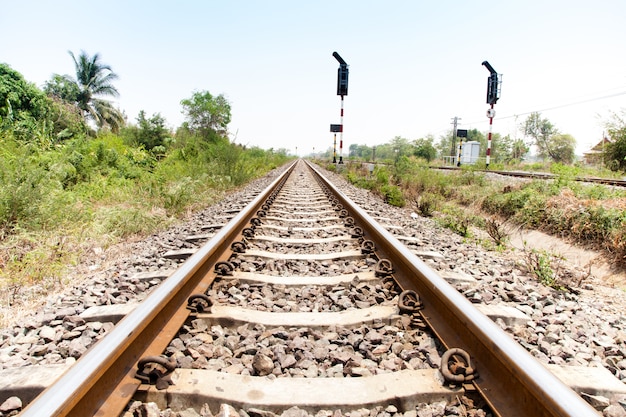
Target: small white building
<point>470,152</point>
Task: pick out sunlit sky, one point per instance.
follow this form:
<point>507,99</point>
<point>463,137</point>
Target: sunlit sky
<point>414,65</point>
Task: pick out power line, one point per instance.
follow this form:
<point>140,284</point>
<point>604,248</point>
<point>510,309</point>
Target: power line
<point>539,111</point>
<point>558,107</point>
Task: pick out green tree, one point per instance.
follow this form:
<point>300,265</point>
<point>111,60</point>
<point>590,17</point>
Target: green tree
<point>19,99</point>
<point>562,148</point>
<point>444,145</point>
<point>360,151</point>
<point>94,80</point>
<point>540,130</point>
<point>67,119</point>
<point>519,149</point>
<point>62,87</point>
<point>25,111</point>
<point>384,152</point>
<point>501,147</point>
<point>424,148</point>
<point>366,152</point>
<point>550,143</point>
<point>476,135</point>
<point>207,115</point>
<point>400,147</point>
<point>615,151</point>
<point>150,133</point>
<point>353,150</point>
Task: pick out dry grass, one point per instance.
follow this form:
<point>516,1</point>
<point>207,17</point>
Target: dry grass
<point>567,200</point>
<point>597,224</point>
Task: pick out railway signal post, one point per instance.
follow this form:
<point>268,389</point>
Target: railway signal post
<point>342,90</point>
<point>460,133</point>
<point>493,94</point>
<point>334,129</point>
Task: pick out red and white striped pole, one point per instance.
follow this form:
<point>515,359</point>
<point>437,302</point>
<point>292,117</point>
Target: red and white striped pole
<point>493,94</point>
<point>342,90</point>
<point>490,113</point>
<point>341,133</point>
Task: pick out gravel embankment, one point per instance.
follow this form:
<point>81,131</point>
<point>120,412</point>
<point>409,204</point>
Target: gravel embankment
<point>586,328</point>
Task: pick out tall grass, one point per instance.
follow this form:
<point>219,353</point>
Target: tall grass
<point>592,215</point>
<point>96,191</point>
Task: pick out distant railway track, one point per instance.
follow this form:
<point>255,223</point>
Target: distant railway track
<point>546,176</point>
<point>304,275</point>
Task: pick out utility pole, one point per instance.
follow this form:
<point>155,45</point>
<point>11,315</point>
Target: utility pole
<point>455,121</point>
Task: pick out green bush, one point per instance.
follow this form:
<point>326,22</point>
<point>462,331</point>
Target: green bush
<point>122,222</point>
<point>382,175</point>
<point>596,224</point>
<point>438,182</point>
<point>546,267</point>
<point>393,195</point>
<point>470,176</point>
<point>177,195</point>
<point>456,220</point>
<point>596,192</point>
<point>405,168</point>
<point>25,185</point>
<point>55,181</point>
<point>506,204</point>
<point>526,204</point>
<point>427,204</point>
<point>229,161</point>
<point>361,182</point>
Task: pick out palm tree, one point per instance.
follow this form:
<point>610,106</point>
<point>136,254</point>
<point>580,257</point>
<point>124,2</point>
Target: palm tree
<point>94,79</point>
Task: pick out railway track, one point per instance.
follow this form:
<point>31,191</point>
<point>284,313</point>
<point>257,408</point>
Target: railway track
<point>302,300</point>
<point>545,176</point>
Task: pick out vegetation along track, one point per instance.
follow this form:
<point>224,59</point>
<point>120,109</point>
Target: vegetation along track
<point>303,300</point>
<point>545,176</point>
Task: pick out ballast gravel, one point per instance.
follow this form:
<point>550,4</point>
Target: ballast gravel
<point>583,327</point>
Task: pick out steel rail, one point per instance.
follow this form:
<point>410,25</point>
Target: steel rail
<point>543,176</point>
<point>102,380</point>
<point>510,379</point>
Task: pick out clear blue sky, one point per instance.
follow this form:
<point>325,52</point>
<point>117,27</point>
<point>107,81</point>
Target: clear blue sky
<point>414,65</point>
